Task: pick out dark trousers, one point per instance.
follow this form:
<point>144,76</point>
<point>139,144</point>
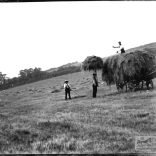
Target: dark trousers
<point>94,91</point>
<point>122,51</point>
<point>67,92</point>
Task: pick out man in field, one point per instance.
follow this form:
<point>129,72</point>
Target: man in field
<point>67,89</point>
<point>120,48</point>
<point>95,84</point>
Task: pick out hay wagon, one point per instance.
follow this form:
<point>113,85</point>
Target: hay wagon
<point>147,80</point>
<point>150,76</point>
<point>130,70</point>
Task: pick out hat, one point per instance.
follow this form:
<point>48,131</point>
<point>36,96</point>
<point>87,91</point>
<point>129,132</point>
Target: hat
<point>94,73</point>
<point>66,81</point>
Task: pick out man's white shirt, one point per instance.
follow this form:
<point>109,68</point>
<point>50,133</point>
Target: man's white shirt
<point>65,85</point>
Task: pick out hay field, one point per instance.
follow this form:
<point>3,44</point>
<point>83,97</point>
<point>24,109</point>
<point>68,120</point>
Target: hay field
<point>35,118</point>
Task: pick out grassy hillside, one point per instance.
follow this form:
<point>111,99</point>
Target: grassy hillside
<point>66,66</point>
<point>35,118</point>
<point>64,69</point>
<point>151,47</point>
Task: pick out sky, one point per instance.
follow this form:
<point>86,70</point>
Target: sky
<point>51,34</point>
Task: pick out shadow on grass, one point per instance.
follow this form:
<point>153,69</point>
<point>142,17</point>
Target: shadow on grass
<point>116,93</point>
<point>79,96</point>
<point>72,97</point>
<point>56,91</point>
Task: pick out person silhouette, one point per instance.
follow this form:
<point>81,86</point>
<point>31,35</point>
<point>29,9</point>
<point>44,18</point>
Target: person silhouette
<point>95,85</point>
<point>67,89</point>
<point>120,48</point>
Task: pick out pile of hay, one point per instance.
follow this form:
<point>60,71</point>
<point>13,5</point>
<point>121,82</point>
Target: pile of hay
<point>127,67</point>
<point>92,63</point>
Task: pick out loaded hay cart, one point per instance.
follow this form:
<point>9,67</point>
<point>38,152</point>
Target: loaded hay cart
<point>146,80</point>
<point>130,70</point>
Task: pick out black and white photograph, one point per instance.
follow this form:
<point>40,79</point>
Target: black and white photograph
<point>78,77</point>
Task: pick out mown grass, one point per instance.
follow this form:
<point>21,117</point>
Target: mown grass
<point>35,118</point>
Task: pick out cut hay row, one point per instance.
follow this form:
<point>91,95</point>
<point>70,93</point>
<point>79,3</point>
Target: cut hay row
<point>128,67</point>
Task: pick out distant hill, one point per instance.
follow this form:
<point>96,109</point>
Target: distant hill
<point>64,69</point>
<point>76,64</point>
<point>51,70</point>
<point>69,65</point>
<point>149,47</point>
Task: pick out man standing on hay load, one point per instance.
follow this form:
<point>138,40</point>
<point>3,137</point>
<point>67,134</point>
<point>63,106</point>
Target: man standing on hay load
<point>120,48</point>
<point>67,89</point>
<point>95,84</point>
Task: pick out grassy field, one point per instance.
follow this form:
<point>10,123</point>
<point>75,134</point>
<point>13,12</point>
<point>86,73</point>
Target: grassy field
<point>35,118</point>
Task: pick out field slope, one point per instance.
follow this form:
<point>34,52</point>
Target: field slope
<point>35,118</point>
<point>151,47</point>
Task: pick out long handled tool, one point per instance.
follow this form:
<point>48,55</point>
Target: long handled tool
<point>75,92</point>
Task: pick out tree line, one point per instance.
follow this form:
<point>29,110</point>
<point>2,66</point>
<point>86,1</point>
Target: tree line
<point>32,75</point>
